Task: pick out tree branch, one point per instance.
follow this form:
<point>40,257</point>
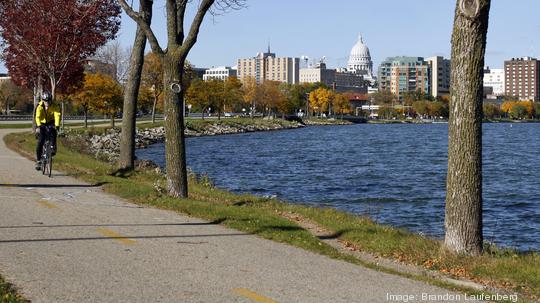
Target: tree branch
<point>181,6</point>
<point>156,48</point>
<point>195,26</point>
<point>172,24</point>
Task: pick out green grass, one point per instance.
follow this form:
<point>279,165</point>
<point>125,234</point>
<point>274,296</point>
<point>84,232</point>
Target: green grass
<point>8,294</point>
<point>508,269</point>
<point>67,124</point>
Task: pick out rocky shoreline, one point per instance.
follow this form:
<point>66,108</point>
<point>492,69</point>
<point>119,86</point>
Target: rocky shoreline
<point>107,145</point>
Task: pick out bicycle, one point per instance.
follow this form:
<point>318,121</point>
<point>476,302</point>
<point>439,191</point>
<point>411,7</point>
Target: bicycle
<point>47,157</point>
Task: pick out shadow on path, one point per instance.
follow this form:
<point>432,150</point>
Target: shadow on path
<point>52,185</point>
<point>39,225</point>
<point>122,237</point>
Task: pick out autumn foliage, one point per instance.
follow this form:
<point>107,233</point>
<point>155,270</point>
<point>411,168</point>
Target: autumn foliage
<point>518,109</point>
<point>50,39</point>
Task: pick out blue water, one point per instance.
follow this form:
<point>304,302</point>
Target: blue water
<point>396,174</point>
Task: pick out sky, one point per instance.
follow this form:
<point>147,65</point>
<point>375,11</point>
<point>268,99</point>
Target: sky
<point>317,28</point>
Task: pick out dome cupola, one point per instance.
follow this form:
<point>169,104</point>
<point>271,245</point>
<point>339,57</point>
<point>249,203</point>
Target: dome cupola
<point>360,58</point>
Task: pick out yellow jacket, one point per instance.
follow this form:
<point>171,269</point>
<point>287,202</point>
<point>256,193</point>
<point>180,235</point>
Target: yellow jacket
<point>49,115</point>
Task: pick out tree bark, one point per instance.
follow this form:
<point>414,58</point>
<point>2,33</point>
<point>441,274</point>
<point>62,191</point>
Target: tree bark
<point>463,217</point>
<point>175,152</point>
<point>131,93</point>
<point>85,117</point>
<point>154,109</point>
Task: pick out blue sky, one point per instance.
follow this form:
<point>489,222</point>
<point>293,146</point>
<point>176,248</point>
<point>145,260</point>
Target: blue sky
<point>330,28</point>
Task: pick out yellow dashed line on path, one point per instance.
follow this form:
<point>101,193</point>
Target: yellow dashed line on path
<point>46,204</point>
<point>253,295</point>
<point>114,235</point>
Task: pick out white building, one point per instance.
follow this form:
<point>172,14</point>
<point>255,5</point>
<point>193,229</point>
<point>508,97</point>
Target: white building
<point>360,59</point>
<point>440,76</point>
<point>219,73</point>
<point>494,78</point>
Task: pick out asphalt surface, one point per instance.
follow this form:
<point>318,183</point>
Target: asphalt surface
<point>62,240</point>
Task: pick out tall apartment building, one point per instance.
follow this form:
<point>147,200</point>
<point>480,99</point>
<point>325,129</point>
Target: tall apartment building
<point>404,74</point>
<point>494,79</point>
<point>521,78</point>
<point>266,66</point>
<point>440,76</point>
<point>219,73</point>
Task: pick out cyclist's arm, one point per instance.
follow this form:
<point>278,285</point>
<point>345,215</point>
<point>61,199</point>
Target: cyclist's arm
<point>39,115</point>
<point>57,116</point>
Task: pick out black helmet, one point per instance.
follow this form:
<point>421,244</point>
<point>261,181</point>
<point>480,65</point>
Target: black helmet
<point>46,97</point>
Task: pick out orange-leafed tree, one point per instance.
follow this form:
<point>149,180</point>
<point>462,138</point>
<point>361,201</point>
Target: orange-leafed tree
<point>341,104</point>
<point>99,93</point>
<point>152,77</point>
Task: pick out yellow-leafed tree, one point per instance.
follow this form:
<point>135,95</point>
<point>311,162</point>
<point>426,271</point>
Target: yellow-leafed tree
<point>319,99</point>
<point>100,93</point>
<point>341,104</point>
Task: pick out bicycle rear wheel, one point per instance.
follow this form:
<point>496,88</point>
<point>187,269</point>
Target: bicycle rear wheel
<point>45,157</point>
<point>49,162</point>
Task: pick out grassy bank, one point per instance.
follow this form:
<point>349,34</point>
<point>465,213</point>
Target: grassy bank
<point>8,294</point>
<point>516,272</point>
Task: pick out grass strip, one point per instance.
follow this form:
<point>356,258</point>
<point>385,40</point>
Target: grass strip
<point>8,294</point>
<point>502,268</point>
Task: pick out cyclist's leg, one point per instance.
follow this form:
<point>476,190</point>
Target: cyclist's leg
<point>52,136</point>
<point>41,141</point>
<point>39,146</point>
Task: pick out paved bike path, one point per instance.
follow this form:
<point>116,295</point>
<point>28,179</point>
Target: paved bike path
<point>62,240</point>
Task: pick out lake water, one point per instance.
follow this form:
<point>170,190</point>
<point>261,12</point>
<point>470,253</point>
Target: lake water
<point>396,174</point>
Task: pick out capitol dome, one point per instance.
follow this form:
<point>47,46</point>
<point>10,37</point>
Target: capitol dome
<point>360,59</point>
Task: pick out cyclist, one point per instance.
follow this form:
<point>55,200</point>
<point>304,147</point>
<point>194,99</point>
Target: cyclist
<point>48,122</point>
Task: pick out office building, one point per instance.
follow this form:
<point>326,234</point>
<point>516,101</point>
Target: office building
<point>521,78</point>
<point>494,81</point>
<point>440,76</point>
<point>219,73</point>
<point>266,66</point>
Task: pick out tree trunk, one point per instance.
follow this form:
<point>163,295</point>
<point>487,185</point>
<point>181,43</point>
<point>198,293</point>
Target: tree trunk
<point>463,218</point>
<point>154,109</point>
<point>175,152</point>
<point>85,117</point>
<point>131,93</point>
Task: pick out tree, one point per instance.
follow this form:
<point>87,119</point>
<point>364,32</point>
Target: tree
<point>437,109</point>
<point>491,111</point>
<point>127,139</point>
<point>341,104</point>
<point>173,57</point>
<point>420,107</point>
<point>251,92</point>
<point>116,58</point>
<point>205,94</point>
<point>13,96</point>
<point>152,76</point>
<point>99,93</point>
<point>463,214</point>
<point>320,99</point>
<point>383,97</point>
<point>232,92</point>
<point>49,39</point>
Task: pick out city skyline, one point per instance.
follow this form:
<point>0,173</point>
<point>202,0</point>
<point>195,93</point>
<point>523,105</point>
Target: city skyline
<point>317,29</point>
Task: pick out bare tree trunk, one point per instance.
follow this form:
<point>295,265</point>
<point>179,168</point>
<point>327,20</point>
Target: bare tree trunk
<point>175,152</point>
<point>85,117</point>
<point>463,218</point>
<point>154,109</point>
<point>131,93</point>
